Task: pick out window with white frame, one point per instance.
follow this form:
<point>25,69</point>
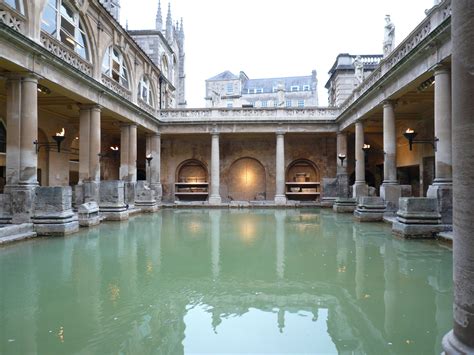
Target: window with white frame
<point>230,88</point>
<point>264,103</point>
<point>275,103</point>
<point>62,22</point>
<point>230,104</point>
<point>300,103</point>
<point>114,66</point>
<point>305,87</point>
<point>259,90</point>
<point>144,91</point>
<point>294,88</point>
<point>288,103</point>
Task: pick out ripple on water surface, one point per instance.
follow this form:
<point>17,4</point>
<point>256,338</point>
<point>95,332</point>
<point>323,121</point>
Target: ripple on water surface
<point>216,281</point>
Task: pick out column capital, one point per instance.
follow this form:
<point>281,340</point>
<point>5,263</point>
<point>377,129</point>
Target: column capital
<point>389,103</point>
<point>441,69</point>
<point>84,107</point>
<point>280,132</point>
<point>214,131</point>
<point>154,134</point>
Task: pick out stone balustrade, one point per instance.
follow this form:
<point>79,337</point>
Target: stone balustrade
<point>245,114</point>
<point>116,87</point>
<point>12,19</point>
<point>69,56</point>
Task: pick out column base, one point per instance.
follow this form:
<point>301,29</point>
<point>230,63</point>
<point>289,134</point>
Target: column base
<point>360,190</point>
<point>88,214</point>
<point>452,345</point>
<point>370,209</point>
<point>158,188</point>
<point>215,200</point>
<point>390,193</point>
<point>443,192</point>
<point>344,205</point>
<point>280,200</point>
<point>130,194</point>
<point>21,198</point>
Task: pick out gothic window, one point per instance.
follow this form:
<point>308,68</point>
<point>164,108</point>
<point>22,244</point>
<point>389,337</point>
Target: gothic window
<point>62,22</point>
<point>144,91</point>
<point>16,4</point>
<point>114,66</point>
<point>3,138</point>
<point>288,103</point>
<point>230,88</point>
<point>264,104</point>
<point>300,103</point>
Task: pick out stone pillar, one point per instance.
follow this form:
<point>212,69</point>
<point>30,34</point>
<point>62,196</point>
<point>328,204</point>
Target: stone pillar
<point>342,180</point>
<point>128,161</point>
<point>153,148</point>
<point>442,188</point>
<point>215,197</point>
<point>341,150</point>
<point>21,157</point>
<point>95,145</point>
<point>360,188</point>
<point>280,197</point>
<point>461,339</point>
<point>390,190</point>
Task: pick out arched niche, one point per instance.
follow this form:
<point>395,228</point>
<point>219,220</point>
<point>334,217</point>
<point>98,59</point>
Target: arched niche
<point>191,171</point>
<point>302,170</point>
<point>247,180</point>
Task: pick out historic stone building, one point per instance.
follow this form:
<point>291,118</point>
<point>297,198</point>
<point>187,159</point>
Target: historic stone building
<point>229,90</point>
<point>88,135</point>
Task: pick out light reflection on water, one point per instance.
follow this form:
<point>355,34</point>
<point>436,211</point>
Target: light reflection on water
<point>215,281</point>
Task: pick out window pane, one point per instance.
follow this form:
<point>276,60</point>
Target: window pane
<point>49,21</point>
<point>67,13</point>
<point>106,63</point>
<point>12,3</point>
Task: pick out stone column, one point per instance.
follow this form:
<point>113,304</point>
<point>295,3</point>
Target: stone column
<point>89,143</point>
<point>442,187</point>
<point>341,150</point>
<point>128,161</point>
<point>280,197</point>
<point>153,148</point>
<point>390,190</point>
<point>360,188</point>
<point>461,339</point>
<point>29,130</point>
<point>215,197</point>
<point>21,157</point>
<point>341,175</point>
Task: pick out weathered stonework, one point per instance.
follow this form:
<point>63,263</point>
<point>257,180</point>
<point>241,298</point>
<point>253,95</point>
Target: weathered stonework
<point>443,193</point>
<point>53,213</point>
<point>417,217</point>
<point>145,197</point>
<point>344,205</point>
<point>88,214</point>
<point>370,209</point>
<point>112,201</point>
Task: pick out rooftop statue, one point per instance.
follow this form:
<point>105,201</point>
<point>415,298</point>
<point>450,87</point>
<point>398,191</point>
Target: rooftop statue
<point>389,36</point>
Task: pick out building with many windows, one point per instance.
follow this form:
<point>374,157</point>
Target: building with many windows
<point>229,90</point>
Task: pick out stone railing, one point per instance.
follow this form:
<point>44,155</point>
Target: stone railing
<point>66,54</point>
<point>245,114</point>
<point>11,18</point>
<point>144,106</point>
<point>116,87</point>
<point>434,18</point>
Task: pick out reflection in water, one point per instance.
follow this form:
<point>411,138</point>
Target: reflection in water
<point>219,281</point>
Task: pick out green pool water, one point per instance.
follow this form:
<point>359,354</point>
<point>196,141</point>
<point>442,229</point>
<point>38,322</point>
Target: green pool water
<point>226,281</point>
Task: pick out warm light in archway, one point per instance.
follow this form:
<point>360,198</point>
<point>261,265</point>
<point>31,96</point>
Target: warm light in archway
<point>248,176</point>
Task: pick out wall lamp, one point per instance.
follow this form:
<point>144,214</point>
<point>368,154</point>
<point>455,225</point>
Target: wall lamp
<point>341,158</point>
<point>148,159</point>
<point>58,138</point>
<point>365,147</point>
<point>410,134</point>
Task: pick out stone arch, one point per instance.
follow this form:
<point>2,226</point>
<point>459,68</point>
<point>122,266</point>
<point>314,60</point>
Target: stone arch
<point>192,169</point>
<point>302,166</point>
<point>246,180</point>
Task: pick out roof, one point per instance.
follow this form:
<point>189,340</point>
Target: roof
<point>268,84</point>
<point>226,75</point>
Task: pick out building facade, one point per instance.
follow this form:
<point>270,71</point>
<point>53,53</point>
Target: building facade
<point>229,90</point>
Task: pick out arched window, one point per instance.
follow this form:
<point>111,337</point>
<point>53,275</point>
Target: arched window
<point>114,66</point>
<point>144,91</point>
<point>62,22</point>
<point>16,4</point>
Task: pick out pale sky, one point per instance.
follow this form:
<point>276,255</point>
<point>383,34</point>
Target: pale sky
<point>275,38</point>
